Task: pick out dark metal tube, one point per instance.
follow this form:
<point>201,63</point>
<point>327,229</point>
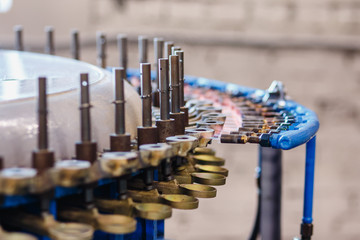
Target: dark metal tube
<point>158,53</point>
<point>167,49</point>
<point>181,77</point>
<point>164,88</point>
<point>119,75</point>
<point>42,115</point>
<point>174,78</point>
<point>122,47</point>
<point>101,49</point>
<point>50,46</point>
<point>85,108</point>
<point>18,29</point>
<point>143,49</point>
<point>75,44</point>
<point>270,218</point>
<point>145,73</point>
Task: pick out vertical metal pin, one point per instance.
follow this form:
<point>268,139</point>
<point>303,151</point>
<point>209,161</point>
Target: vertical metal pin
<point>164,88</point>
<point>158,53</point>
<point>101,49</point>
<point>174,79</point>
<point>143,49</point>
<point>122,47</point>
<point>119,75</point>
<point>42,115</point>
<point>75,44</point>
<point>181,77</point>
<point>50,46</point>
<point>145,73</point>
<point>167,49</point>
<point>85,108</point>
<point>18,29</point>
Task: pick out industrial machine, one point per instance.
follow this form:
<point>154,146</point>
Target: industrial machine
<point>100,152</point>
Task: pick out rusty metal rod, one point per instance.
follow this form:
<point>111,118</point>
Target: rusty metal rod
<point>164,88</point>
<point>145,73</point>
<point>75,44</point>
<point>119,75</point>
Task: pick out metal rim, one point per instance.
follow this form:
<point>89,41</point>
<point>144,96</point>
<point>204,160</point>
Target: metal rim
<point>208,178</point>
<point>153,211</point>
<point>198,190</point>
<point>180,201</point>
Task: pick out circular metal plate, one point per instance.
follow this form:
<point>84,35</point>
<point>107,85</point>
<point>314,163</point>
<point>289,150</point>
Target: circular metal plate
<point>198,190</point>
<point>153,211</point>
<point>71,231</point>
<point>180,201</point>
<point>20,70</point>
<point>116,224</point>
<point>209,160</point>
<point>212,169</point>
<point>17,236</point>
<point>204,151</point>
<point>209,178</point>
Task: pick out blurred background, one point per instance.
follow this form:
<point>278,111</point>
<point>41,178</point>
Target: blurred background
<point>311,46</point>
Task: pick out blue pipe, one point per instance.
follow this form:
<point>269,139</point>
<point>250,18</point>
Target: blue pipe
<point>309,181</point>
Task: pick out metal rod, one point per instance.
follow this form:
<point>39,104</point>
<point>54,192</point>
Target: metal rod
<point>167,49</point>
<point>143,49</point>
<point>85,108</point>
<point>309,180</point>
<point>18,29</point>
<point>122,47</point>
<point>158,53</point>
<point>164,88</point>
<point>101,49</point>
<point>174,79</point>
<point>75,44</point>
<point>181,77</point>
<point>42,115</point>
<point>270,217</point>
<point>119,76</point>
<point>145,73</point>
<point>50,46</point>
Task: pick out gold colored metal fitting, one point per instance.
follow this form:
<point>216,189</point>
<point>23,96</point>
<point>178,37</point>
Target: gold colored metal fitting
<point>153,154</point>
<point>71,231</point>
<point>17,181</point>
<point>204,151</point>
<point>209,160</point>
<point>198,190</point>
<point>212,169</point>
<point>204,135</point>
<point>119,163</point>
<point>214,116</point>
<point>153,211</point>
<point>184,143</point>
<point>70,173</point>
<point>116,224</point>
<point>180,201</point>
<point>213,124</point>
<point>209,178</point>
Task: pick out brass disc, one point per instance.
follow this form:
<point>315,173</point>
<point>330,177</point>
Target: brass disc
<point>17,236</point>
<point>212,169</point>
<point>204,150</point>
<point>198,190</point>
<point>209,160</point>
<point>71,231</point>
<point>180,201</point>
<point>209,178</point>
<point>153,211</point>
<point>116,224</point>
